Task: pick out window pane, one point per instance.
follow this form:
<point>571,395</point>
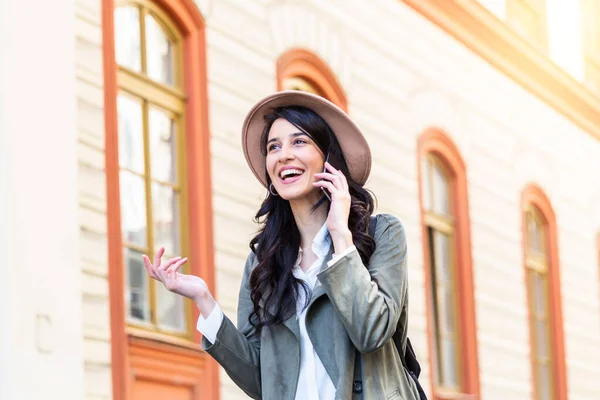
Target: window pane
<point>442,257</point>
<point>450,314</point>
<point>545,391</point>
<point>440,191</point>
<point>127,38</point>
<point>539,287</point>
<point>541,244</point>
<point>297,83</point>
<point>531,232</point>
<point>159,53</point>
<point>537,242</point>
<point>541,337</point>
<point>133,208</point>
<point>449,363</point>
<point>165,209</point>
<point>162,146</point>
<point>131,134</point>
<point>136,292</point>
<point>446,311</point>
<point>170,310</point>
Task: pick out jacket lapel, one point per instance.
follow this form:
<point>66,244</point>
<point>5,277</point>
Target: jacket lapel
<point>320,326</point>
<point>318,290</point>
<point>293,325</point>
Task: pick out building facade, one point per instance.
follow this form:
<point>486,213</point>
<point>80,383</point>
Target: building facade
<point>120,132</point>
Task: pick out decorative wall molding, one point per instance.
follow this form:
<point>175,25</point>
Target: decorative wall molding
<point>299,25</point>
<point>483,33</point>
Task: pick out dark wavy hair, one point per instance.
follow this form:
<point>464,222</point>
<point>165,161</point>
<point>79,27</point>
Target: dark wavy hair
<point>274,289</point>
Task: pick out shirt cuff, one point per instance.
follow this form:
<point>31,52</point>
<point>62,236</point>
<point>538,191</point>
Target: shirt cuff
<point>210,326</point>
<point>336,257</point>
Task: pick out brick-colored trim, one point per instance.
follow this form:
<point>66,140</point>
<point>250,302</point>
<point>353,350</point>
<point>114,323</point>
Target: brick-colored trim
<point>304,64</point>
<point>487,36</point>
<point>435,142</point>
<point>187,17</point>
<point>533,195</point>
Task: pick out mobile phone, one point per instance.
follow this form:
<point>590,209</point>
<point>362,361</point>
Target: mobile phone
<point>331,159</point>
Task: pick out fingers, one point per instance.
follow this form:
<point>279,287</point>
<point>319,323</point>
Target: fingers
<point>336,180</point>
<point>166,265</point>
<point>149,267</point>
<point>169,275</point>
<point>157,271</point>
<point>175,267</point>
<point>337,173</point>
<point>327,185</point>
<point>157,257</point>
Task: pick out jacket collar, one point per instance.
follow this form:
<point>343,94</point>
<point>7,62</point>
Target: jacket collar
<point>318,291</point>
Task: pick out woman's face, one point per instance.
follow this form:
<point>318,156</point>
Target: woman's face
<point>292,160</point>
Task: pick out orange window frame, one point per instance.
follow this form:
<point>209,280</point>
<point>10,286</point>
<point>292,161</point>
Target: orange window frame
<point>534,196</point>
<point>438,144</point>
<point>303,64</point>
<point>186,16</point>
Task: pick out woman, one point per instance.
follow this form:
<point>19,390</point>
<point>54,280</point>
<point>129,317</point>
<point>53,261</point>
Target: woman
<point>324,289</point>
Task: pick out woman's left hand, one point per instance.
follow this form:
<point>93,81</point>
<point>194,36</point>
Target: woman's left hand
<point>336,184</point>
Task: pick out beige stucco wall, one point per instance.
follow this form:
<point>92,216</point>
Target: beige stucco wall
<point>92,200</point>
<point>41,344</point>
<point>401,75</point>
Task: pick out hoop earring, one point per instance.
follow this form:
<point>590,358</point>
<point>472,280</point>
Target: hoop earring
<point>272,190</point>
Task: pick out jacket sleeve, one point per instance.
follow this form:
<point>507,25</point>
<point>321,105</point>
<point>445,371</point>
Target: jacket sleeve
<point>370,301</point>
<point>237,350</point>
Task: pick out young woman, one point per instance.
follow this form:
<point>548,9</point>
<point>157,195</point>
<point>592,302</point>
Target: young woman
<point>324,292</point>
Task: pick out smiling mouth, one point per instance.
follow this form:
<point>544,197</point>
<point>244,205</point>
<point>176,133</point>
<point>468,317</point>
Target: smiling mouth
<point>290,174</point>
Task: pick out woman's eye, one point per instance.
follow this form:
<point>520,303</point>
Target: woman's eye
<point>299,141</point>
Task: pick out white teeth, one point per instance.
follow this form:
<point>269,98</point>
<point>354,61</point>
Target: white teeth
<point>287,172</point>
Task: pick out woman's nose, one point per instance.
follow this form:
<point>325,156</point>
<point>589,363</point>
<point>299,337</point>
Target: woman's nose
<point>286,153</point>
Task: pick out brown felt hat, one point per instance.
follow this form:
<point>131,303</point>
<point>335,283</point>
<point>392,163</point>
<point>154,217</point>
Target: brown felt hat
<point>353,143</point>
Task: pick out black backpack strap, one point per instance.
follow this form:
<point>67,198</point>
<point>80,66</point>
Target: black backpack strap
<point>410,359</point>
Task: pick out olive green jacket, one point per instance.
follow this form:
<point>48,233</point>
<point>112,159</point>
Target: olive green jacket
<point>354,311</point>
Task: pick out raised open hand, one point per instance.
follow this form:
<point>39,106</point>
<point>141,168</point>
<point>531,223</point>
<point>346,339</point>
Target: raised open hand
<point>168,274</point>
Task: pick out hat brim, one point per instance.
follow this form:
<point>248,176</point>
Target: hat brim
<point>354,145</point>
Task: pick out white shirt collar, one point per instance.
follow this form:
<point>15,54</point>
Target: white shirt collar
<point>320,245</point>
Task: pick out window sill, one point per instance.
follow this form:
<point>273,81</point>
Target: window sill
<point>144,338</point>
<point>447,395</point>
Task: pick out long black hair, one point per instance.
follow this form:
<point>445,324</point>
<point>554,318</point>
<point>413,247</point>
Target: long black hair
<point>274,289</point>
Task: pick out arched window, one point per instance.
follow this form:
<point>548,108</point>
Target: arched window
<point>299,69</point>
<point>158,192</point>
<point>151,111</point>
<point>449,276</point>
<point>543,293</point>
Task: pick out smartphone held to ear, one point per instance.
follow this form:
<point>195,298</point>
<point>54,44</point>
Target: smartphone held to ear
<point>332,160</point>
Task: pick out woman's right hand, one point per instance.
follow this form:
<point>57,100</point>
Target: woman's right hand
<point>189,286</point>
